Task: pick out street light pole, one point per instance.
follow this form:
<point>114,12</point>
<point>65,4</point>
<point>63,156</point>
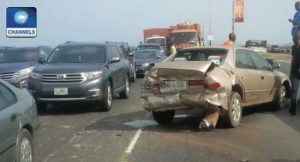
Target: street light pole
<point>233,15</point>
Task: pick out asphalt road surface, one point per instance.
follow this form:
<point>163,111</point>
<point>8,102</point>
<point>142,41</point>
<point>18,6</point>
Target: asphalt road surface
<point>78,133</point>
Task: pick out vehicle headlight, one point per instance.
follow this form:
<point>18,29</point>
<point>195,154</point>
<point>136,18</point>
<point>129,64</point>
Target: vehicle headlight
<point>92,75</point>
<point>25,71</point>
<point>35,75</point>
<point>145,64</point>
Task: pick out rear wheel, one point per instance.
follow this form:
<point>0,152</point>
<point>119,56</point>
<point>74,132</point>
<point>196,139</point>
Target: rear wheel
<point>233,116</point>
<point>106,102</point>
<point>164,117</point>
<point>24,150</point>
<point>125,94</point>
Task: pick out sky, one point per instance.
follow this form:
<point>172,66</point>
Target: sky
<point>124,20</point>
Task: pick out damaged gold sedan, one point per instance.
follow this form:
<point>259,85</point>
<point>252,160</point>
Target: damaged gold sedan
<point>222,79</point>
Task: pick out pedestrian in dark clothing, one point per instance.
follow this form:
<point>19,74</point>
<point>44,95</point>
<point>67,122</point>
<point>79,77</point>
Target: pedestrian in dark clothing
<point>295,74</point>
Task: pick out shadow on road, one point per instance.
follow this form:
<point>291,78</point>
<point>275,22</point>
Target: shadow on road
<point>183,121</point>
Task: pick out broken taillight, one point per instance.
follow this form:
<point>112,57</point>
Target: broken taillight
<point>213,86</point>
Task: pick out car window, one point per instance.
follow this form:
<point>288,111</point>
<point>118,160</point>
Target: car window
<point>19,55</point>
<point>114,52</point>
<point>7,98</point>
<point>243,60</point>
<point>259,62</point>
<point>78,54</point>
<point>202,55</point>
<point>45,51</point>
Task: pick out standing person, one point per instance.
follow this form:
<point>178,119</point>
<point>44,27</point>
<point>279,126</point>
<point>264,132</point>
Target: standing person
<point>173,49</point>
<point>231,41</point>
<point>296,20</point>
<point>295,73</point>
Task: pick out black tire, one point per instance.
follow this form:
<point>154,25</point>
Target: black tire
<point>125,93</point>
<point>232,118</point>
<point>106,102</point>
<point>42,107</point>
<point>281,101</point>
<point>163,117</point>
<point>25,139</point>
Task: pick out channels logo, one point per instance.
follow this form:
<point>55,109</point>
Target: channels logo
<point>21,22</point>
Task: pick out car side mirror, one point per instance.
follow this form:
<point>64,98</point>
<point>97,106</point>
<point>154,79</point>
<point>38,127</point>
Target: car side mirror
<point>276,65</point>
<point>42,60</point>
<point>115,60</point>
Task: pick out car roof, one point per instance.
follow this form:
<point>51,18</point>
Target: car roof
<point>70,44</point>
<point>149,44</point>
<point>155,50</point>
<point>216,47</point>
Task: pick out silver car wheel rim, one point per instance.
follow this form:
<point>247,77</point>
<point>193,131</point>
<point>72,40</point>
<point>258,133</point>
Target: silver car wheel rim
<point>236,110</point>
<point>109,96</point>
<point>127,86</point>
<point>282,98</point>
<point>25,150</point>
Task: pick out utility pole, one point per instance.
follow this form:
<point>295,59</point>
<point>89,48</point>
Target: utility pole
<point>210,35</point>
<point>233,15</point>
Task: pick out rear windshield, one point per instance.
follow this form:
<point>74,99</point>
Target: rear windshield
<point>78,54</point>
<point>145,55</point>
<point>215,55</point>
<point>142,47</point>
<point>19,55</point>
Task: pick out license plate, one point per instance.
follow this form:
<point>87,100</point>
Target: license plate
<point>173,86</point>
<point>61,91</point>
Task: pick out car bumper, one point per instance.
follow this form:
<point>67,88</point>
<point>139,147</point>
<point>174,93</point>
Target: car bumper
<point>83,92</point>
<point>184,100</point>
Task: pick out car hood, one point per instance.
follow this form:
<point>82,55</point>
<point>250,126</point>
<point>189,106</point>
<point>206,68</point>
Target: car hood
<point>14,67</point>
<point>67,68</point>
<point>140,62</point>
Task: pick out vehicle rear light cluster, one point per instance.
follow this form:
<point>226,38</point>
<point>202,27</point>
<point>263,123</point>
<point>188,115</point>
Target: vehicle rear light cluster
<point>212,86</point>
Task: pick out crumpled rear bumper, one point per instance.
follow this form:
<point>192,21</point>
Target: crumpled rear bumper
<point>184,100</point>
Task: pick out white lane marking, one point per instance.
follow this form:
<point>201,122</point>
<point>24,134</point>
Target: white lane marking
<point>133,141</point>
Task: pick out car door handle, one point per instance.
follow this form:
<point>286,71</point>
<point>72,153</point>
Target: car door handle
<point>262,77</point>
<point>13,117</point>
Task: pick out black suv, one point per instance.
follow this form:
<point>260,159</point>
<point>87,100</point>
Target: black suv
<point>86,72</point>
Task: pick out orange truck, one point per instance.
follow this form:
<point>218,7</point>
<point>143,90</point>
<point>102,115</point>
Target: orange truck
<point>183,35</point>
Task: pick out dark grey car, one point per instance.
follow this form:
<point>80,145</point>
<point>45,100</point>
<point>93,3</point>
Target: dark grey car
<point>144,58</point>
<point>81,72</point>
<point>17,63</point>
<point>19,120</point>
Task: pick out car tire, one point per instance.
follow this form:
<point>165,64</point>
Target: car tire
<point>106,102</point>
<point>42,107</point>
<point>125,93</point>
<point>281,102</point>
<point>232,118</point>
<point>24,147</point>
<point>163,117</point>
